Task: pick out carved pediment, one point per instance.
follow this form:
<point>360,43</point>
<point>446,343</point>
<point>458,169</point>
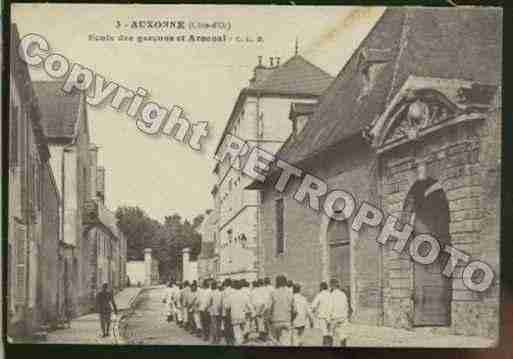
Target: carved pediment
<point>418,110</point>
<point>424,105</point>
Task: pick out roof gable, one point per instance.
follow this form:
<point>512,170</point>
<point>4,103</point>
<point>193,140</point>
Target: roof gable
<point>297,76</point>
<point>20,76</point>
<point>438,43</point>
<point>60,110</point>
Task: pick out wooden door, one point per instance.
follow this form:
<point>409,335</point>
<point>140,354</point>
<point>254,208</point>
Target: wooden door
<point>339,265</point>
<point>339,252</point>
<point>432,290</point>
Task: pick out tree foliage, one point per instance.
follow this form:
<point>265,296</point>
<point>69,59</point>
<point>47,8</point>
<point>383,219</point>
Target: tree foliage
<point>165,239</point>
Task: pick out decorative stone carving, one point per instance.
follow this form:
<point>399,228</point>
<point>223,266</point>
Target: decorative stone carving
<point>424,105</point>
<point>418,110</point>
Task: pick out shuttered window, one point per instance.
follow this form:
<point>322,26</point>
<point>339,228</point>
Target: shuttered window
<point>35,183</point>
<point>280,238</point>
<point>22,131</point>
<point>30,185</point>
<point>20,264</point>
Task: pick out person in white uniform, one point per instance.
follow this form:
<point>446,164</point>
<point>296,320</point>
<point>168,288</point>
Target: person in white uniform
<point>339,314</point>
<point>301,315</point>
<point>321,308</point>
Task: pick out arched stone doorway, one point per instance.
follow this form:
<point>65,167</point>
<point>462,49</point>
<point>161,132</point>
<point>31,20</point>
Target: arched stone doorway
<point>335,241</point>
<point>427,210</point>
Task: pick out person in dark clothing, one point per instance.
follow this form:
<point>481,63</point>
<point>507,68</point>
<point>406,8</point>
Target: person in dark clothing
<point>104,300</point>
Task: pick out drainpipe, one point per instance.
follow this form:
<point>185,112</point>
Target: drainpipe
<point>27,232</point>
<point>63,202</point>
<point>260,252</point>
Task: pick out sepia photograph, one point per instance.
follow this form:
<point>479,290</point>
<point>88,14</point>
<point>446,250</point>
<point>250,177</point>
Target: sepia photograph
<point>242,175</point>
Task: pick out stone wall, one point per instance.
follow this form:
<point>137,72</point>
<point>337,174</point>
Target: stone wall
<point>48,269</point>
<point>306,257</point>
<point>464,160</point>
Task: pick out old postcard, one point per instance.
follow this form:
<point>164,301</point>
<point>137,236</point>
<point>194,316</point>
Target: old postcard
<point>254,175</point>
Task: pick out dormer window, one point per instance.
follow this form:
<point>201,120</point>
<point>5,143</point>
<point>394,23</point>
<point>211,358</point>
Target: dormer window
<point>300,114</point>
<point>371,63</point>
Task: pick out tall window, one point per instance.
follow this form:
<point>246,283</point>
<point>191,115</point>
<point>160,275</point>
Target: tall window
<point>280,239</point>
<point>20,264</point>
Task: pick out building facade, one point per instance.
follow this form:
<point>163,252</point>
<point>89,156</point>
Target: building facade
<point>260,117</point>
<point>92,250</point>
<point>106,243</point>
<point>65,124</point>
<point>411,125</point>
<point>63,242</point>
<point>32,232</point>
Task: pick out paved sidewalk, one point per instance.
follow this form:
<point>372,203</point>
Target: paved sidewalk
<point>86,329</point>
<point>371,336</point>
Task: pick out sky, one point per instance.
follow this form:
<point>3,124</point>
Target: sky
<point>159,174</point>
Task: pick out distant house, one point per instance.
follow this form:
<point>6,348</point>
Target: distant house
<point>260,117</point>
<point>107,244</point>
<point>412,125</point>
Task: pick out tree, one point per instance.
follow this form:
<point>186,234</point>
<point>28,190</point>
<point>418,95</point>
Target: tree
<point>139,230</point>
<point>165,239</point>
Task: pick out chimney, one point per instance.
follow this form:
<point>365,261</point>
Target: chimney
<point>93,163</point>
<point>100,184</point>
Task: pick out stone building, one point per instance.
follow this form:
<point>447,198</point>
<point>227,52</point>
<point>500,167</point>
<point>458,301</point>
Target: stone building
<point>106,243</point>
<point>65,125</point>
<point>259,116</point>
<point>48,286</point>
<point>411,125</point>
<point>33,234</point>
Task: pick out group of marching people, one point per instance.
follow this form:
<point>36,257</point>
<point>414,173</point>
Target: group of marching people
<point>233,309</point>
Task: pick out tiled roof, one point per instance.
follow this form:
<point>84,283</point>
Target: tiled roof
<point>463,43</point>
<point>59,109</point>
<point>297,76</point>
<point>21,77</point>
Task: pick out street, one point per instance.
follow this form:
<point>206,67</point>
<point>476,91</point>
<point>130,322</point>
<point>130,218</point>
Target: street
<point>147,325</point>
